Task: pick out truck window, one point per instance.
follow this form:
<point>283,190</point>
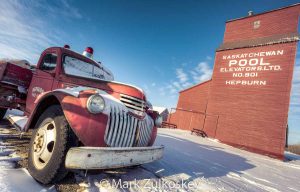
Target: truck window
<point>49,62</point>
<point>79,68</point>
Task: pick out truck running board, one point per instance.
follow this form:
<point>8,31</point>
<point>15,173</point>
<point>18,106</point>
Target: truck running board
<point>17,121</point>
<point>111,157</point>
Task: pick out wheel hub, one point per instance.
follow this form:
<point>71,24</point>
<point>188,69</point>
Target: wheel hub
<point>39,142</point>
<point>43,144</point>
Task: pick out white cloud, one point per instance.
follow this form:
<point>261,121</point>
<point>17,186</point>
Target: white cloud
<point>187,84</point>
<point>296,76</point>
<point>70,11</point>
<point>294,113</point>
<point>177,85</point>
<point>209,58</point>
<point>162,91</point>
<point>24,33</point>
<point>199,73</point>
<point>172,89</point>
<point>146,89</point>
<point>295,93</point>
<point>181,75</point>
<point>202,72</point>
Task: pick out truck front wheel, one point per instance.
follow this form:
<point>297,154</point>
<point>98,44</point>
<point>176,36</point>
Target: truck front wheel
<point>50,142</point>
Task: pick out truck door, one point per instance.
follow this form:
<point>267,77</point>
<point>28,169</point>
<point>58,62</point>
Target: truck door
<point>42,80</point>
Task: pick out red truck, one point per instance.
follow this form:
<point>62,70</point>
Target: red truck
<point>81,118</point>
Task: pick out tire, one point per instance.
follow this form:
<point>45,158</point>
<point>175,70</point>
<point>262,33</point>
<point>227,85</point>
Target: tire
<point>2,112</point>
<point>50,142</point>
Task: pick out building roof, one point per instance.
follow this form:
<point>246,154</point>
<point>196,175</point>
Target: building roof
<point>195,86</point>
<point>293,5</point>
<point>275,39</point>
<point>159,109</point>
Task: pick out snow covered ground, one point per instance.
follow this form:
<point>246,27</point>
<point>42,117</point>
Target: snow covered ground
<point>190,163</point>
<point>14,179</point>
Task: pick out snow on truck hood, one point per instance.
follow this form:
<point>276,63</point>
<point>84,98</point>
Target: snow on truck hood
<point>130,85</point>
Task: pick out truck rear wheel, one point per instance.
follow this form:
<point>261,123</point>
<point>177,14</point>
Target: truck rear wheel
<point>50,142</point>
<point>2,112</point>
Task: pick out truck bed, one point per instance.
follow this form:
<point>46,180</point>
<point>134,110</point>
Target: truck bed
<point>15,74</point>
<point>15,79</point>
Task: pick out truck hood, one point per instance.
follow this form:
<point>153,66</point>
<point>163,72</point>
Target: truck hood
<point>111,87</point>
<point>127,89</point>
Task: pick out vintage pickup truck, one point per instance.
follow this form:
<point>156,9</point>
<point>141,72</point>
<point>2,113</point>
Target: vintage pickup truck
<point>81,118</point>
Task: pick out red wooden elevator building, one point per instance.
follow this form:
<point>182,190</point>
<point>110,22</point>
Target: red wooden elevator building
<point>246,102</point>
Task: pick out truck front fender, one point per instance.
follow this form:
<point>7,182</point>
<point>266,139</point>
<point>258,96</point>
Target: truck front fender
<point>89,128</point>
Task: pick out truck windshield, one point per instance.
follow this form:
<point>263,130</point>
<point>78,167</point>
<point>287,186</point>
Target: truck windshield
<point>76,67</point>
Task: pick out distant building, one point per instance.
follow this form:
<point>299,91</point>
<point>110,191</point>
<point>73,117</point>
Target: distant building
<point>163,111</point>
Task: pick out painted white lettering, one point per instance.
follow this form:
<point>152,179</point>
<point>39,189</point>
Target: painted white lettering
<point>279,52</point>
<point>253,62</point>
<point>232,62</point>
<point>243,62</point>
<point>262,62</point>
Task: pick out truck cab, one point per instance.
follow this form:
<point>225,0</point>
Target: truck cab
<point>60,68</point>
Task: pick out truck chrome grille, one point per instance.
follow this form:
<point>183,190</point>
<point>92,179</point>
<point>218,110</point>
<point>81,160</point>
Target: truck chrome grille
<point>135,104</point>
<point>124,130</point>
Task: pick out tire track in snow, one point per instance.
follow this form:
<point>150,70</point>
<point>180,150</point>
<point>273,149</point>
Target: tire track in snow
<point>259,185</point>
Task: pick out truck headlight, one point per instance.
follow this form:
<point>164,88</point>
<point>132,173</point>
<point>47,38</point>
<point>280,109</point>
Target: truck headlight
<point>95,104</point>
<point>158,121</point>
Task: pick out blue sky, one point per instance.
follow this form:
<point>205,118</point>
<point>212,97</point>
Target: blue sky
<point>161,46</point>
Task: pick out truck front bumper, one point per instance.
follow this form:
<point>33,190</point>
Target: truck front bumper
<point>111,157</point>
